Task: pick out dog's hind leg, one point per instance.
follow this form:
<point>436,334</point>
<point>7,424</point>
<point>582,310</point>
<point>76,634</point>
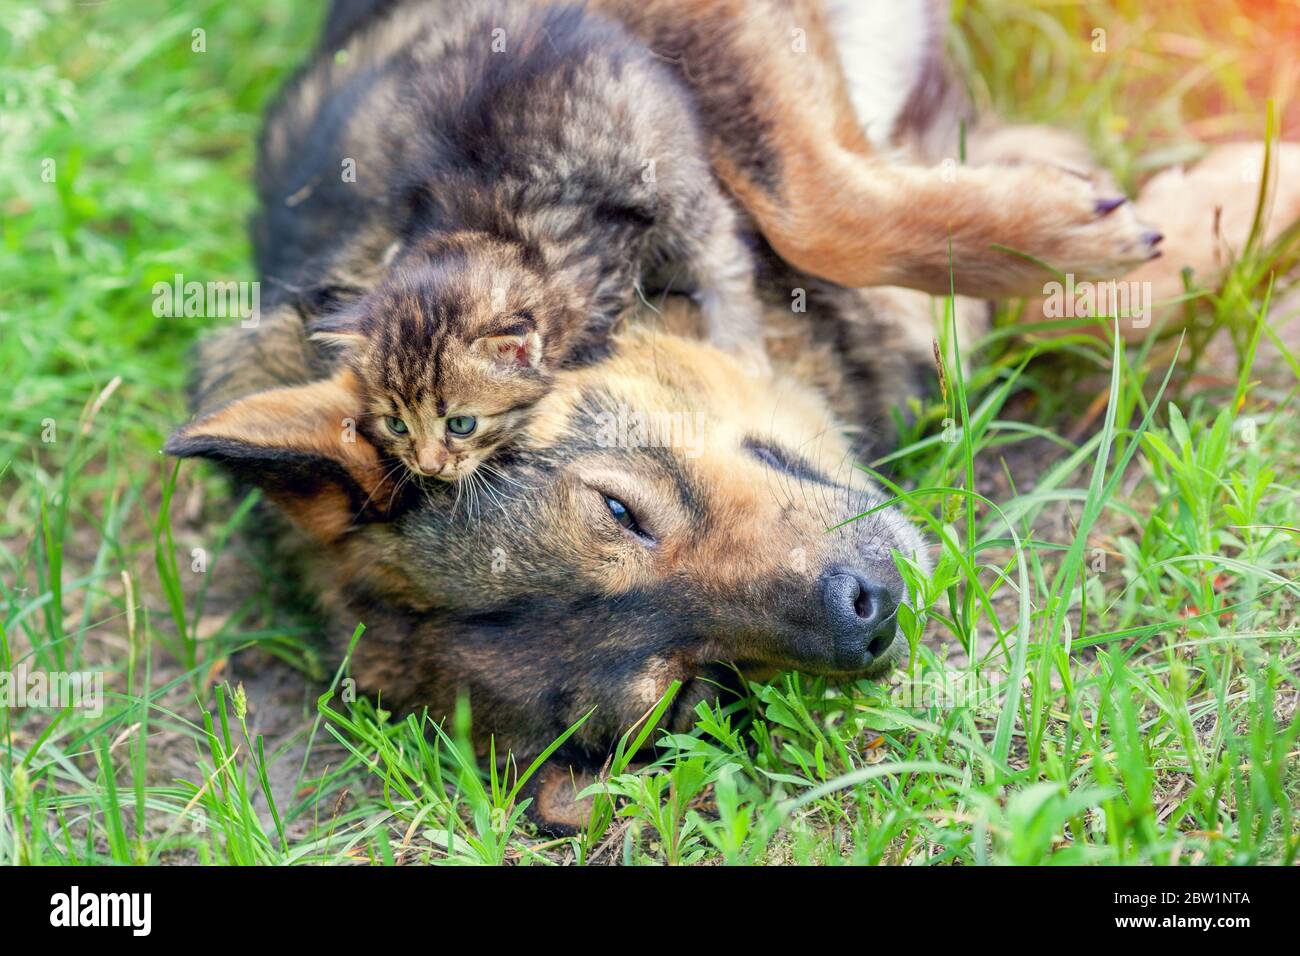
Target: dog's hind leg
<point>784,137</point>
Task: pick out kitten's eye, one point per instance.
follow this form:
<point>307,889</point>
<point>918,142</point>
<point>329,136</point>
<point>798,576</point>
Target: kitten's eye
<point>462,425</point>
<point>395,424</point>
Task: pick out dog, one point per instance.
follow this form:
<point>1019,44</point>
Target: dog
<point>668,515</point>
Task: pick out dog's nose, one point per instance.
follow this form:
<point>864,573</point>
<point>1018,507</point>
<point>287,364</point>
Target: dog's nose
<point>863,617</point>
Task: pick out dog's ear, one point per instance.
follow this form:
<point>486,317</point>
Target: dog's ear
<point>301,445</point>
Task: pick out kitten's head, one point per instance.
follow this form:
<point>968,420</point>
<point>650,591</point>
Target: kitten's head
<point>449,352</point>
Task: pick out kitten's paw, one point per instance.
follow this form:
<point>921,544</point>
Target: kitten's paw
<point>741,336</point>
<point>733,319</point>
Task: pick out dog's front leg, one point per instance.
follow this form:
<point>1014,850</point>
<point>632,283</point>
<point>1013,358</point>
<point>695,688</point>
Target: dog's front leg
<point>785,139</point>
<point>1004,230</point>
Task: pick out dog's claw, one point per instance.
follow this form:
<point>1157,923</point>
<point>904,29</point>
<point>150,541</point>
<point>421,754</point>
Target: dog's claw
<point>1106,239</point>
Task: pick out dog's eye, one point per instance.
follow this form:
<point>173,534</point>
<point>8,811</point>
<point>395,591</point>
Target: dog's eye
<point>620,513</point>
<point>462,425</point>
<point>625,519</point>
<point>395,425</point>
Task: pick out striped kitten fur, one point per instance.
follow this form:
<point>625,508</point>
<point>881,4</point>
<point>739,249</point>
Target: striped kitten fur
<point>548,166</point>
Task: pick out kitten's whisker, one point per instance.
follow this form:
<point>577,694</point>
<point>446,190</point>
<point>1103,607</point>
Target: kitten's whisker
<point>496,494</point>
<point>489,493</point>
<point>479,497</point>
<point>402,483</point>
<point>476,481</point>
<point>494,470</point>
<point>471,487</point>
<point>511,479</point>
<point>456,504</point>
<point>379,484</point>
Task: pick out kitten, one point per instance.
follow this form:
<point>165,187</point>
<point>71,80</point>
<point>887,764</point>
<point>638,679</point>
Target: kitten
<point>451,351</point>
<point>549,183</point>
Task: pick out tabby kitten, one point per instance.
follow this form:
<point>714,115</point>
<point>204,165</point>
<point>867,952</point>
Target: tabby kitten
<point>451,351</point>
<point>543,186</point>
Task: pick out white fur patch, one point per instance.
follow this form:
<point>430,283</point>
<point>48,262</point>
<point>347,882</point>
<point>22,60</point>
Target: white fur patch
<point>883,46</point>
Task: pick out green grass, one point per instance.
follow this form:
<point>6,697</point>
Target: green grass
<point>1103,663</point>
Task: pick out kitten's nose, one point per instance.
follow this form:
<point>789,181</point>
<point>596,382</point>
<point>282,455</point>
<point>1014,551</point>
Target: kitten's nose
<point>431,460</point>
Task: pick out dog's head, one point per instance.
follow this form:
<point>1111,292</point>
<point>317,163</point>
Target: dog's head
<point>666,512</point>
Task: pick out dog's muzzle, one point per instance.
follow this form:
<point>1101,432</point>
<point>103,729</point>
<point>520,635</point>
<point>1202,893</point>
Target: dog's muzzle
<point>861,609</point>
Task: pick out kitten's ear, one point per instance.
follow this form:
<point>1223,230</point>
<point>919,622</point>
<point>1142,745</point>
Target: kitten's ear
<point>341,330</point>
<point>518,346</point>
<point>300,445</point>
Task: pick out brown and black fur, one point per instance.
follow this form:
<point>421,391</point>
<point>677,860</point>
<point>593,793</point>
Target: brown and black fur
<point>481,124</point>
<point>783,137</point>
<point>786,141</point>
<point>540,607</point>
<point>536,164</point>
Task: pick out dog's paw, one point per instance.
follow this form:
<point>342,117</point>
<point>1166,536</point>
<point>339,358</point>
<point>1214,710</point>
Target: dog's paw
<point>1007,230</point>
<point>555,806</point>
<point>1099,237</point>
